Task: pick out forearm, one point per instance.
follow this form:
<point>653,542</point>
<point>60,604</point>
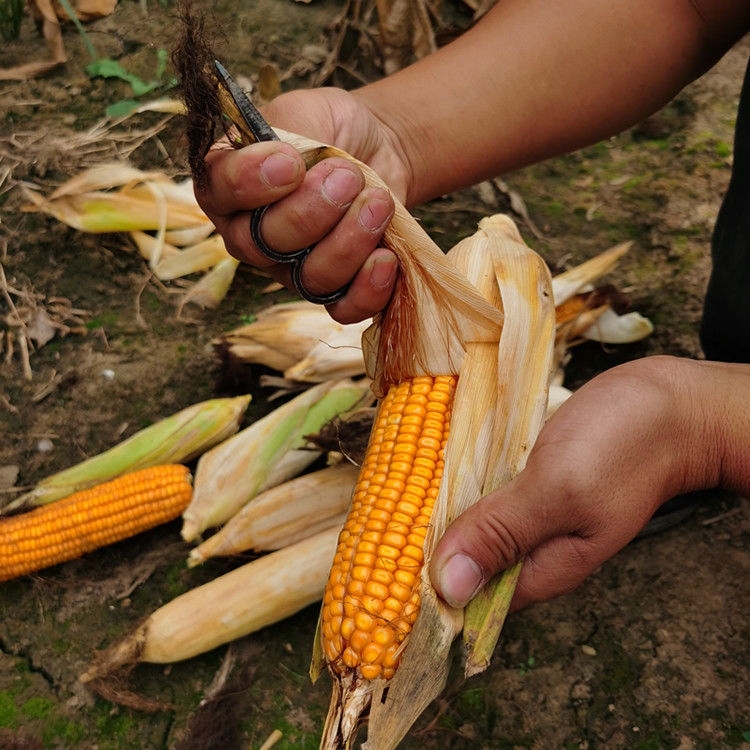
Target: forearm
<point>536,78</point>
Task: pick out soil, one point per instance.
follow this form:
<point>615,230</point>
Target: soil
<point>652,651</point>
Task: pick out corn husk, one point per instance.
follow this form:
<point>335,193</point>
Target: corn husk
<point>579,278</point>
<point>213,286</point>
<point>339,355</point>
<point>284,514</point>
<point>500,405</point>
<point>170,262</point>
<point>178,438</point>
<point>144,200</point>
<point>233,473</point>
<point>611,328</point>
<point>299,339</point>
<point>233,605</point>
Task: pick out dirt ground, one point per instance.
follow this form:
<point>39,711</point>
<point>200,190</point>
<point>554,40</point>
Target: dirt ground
<point>653,651</point>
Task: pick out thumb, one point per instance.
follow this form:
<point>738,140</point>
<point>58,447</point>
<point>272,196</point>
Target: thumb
<point>490,536</point>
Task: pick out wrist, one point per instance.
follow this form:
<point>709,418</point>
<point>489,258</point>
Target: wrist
<point>722,392</point>
<point>707,408</point>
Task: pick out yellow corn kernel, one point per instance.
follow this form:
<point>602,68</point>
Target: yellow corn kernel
<point>372,597</point>
<point>92,518</point>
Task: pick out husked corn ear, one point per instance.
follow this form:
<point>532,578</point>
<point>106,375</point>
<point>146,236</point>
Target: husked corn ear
<point>92,518</point>
<point>373,593</point>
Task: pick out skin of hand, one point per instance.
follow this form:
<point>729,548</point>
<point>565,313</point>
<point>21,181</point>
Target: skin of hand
<point>625,442</point>
<point>327,205</point>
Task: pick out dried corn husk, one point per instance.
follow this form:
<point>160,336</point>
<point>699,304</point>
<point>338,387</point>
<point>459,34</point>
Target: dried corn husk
<point>175,439</point>
<point>234,472</point>
<point>171,262</point>
<point>233,605</point>
<point>500,406</point>
<point>213,286</point>
<point>299,339</point>
<point>579,278</point>
<point>284,514</point>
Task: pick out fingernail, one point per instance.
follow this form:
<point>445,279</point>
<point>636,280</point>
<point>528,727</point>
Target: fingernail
<point>375,214</point>
<point>460,579</point>
<point>279,169</point>
<point>382,272</point>
<point>341,186</point>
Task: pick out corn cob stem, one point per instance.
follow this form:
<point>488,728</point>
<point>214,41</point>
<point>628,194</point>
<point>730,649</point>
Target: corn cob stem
<point>92,518</point>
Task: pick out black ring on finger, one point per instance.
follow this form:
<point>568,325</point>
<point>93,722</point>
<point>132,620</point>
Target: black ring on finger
<point>256,217</point>
<point>318,299</point>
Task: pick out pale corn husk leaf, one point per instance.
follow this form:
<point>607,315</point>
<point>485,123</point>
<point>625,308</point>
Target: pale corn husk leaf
<point>611,328</point>
<point>188,236</point>
<point>339,355</point>
<point>284,514</point>
<point>232,473</point>
<point>499,407</point>
<point>213,286</point>
<point>568,283</point>
<point>526,361</point>
<point>178,438</point>
<point>282,336</point>
<point>153,248</point>
<point>199,257</point>
<point>99,212</point>
<point>238,603</point>
<point>104,177</point>
<point>434,310</point>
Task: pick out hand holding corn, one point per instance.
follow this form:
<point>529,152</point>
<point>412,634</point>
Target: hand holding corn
<point>328,204</point>
<point>591,483</point>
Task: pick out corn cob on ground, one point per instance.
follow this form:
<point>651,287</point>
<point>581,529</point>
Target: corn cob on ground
<point>373,592</point>
<point>92,518</point>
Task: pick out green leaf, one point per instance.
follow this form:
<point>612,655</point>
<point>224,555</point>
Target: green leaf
<point>122,108</point>
<point>107,68</point>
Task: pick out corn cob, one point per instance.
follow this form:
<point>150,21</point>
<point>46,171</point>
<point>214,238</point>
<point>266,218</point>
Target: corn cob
<point>92,518</point>
<point>372,597</point>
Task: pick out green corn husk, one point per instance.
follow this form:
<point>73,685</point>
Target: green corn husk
<point>234,472</point>
<point>176,439</point>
